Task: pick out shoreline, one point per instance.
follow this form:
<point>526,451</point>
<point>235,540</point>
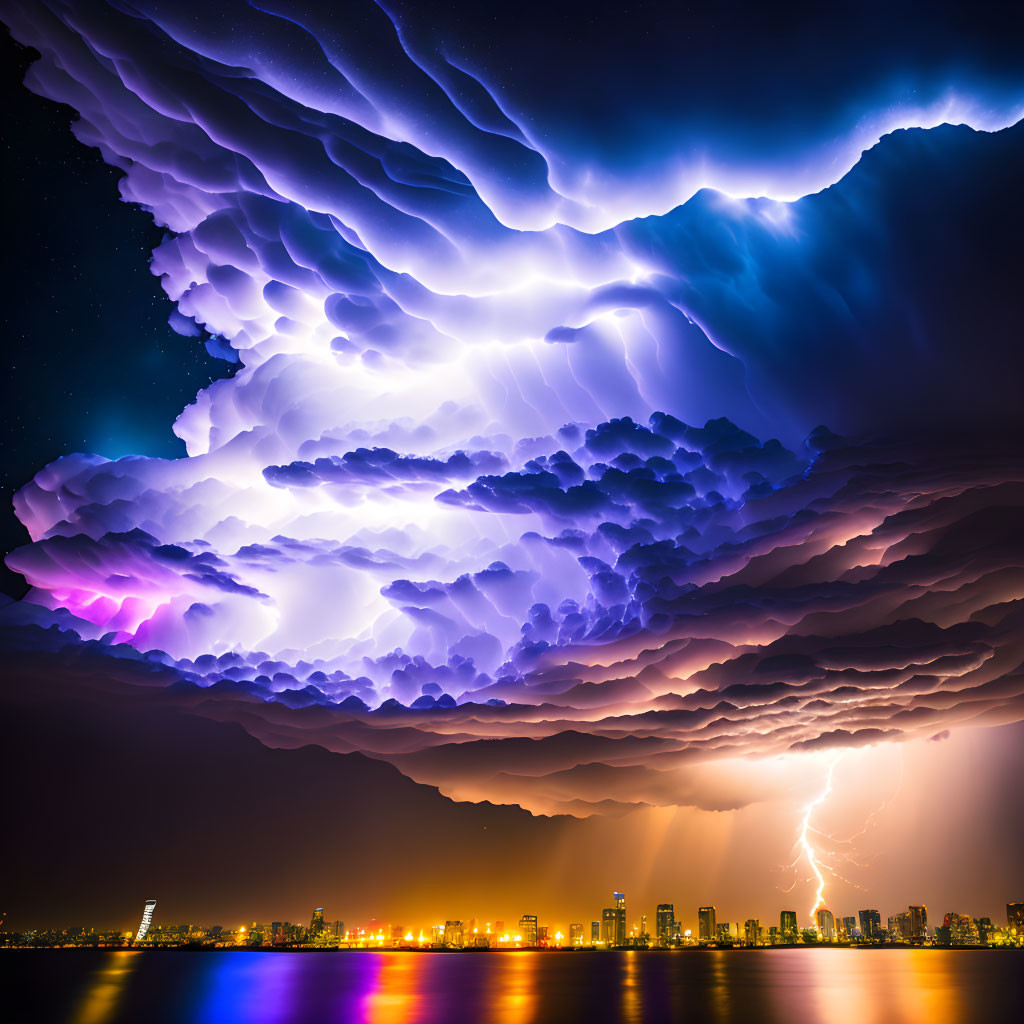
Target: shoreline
<point>477,952</point>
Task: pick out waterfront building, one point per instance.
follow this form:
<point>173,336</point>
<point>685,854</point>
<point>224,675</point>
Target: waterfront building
<point>706,924</point>
<point>847,927</point>
<point>665,923</point>
<point>613,922</point>
<point>316,926</point>
<point>576,935</point>
<point>1015,918</point>
<point>609,926</point>
<point>826,923</point>
<point>528,930</point>
<point>147,920</point>
<point>752,932</point>
<point>787,925</point>
<point>958,930</point>
<point>453,934</point>
<point>870,925</point>
<point>595,932</point>
<point>918,921</point>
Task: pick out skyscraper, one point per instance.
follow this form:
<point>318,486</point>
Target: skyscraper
<point>918,922</point>
<point>528,930</point>
<point>613,922</point>
<point>665,923</point>
<point>752,931</point>
<point>620,920</point>
<point>826,923</point>
<point>147,920</point>
<point>453,934</point>
<point>609,922</point>
<point>1015,917</point>
<point>787,925</point>
<point>706,924</point>
<point>316,926</point>
<point>849,927</point>
<point>595,932</point>
<point>870,925</point>
<point>576,935</point>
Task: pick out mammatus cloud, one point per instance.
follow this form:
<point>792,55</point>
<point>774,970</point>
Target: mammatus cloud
<point>873,597</point>
<point>515,488</point>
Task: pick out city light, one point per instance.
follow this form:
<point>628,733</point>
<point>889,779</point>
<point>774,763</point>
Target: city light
<point>908,927</point>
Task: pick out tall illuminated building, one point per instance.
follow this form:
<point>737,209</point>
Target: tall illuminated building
<point>316,926</point>
<point>595,932</point>
<point>613,922</point>
<point>453,934</point>
<point>665,923</point>
<point>826,923</point>
<point>620,907</point>
<point>849,926</point>
<point>609,919</point>
<point>870,925</point>
<point>1015,917</point>
<point>147,920</point>
<point>706,924</point>
<point>787,925</point>
<point>918,922</point>
<point>752,931</point>
<point>576,935</point>
<point>528,930</point>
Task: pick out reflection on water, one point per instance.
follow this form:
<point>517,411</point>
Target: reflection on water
<point>915,985</point>
<point>245,987</point>
<point>99,1002</point>
<point>515,989</point>
<point>769,986</point>
<point>919,985</point>
<point>631,988</point>
<point>395,991</point>
<point>719,987</point>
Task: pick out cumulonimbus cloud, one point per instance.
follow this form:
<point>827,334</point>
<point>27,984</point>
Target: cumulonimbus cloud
<point>496,492</point>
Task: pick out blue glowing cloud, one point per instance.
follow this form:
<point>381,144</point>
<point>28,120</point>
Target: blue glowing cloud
<point>521,420</point>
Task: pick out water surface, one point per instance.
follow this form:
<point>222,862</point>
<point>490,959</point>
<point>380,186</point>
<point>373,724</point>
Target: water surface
<point>764,986</point>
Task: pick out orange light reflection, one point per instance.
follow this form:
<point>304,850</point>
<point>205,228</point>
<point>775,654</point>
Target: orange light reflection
<point>100,1001</point>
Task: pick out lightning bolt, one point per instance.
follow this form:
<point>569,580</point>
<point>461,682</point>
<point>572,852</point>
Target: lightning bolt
<point>804,842</point>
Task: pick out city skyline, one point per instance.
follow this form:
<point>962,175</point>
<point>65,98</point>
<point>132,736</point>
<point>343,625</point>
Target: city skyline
<point>613,929</point>
<point>611,932</point>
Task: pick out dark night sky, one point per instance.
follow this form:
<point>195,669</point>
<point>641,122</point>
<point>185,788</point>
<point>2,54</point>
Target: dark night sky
<point>90,364</point>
